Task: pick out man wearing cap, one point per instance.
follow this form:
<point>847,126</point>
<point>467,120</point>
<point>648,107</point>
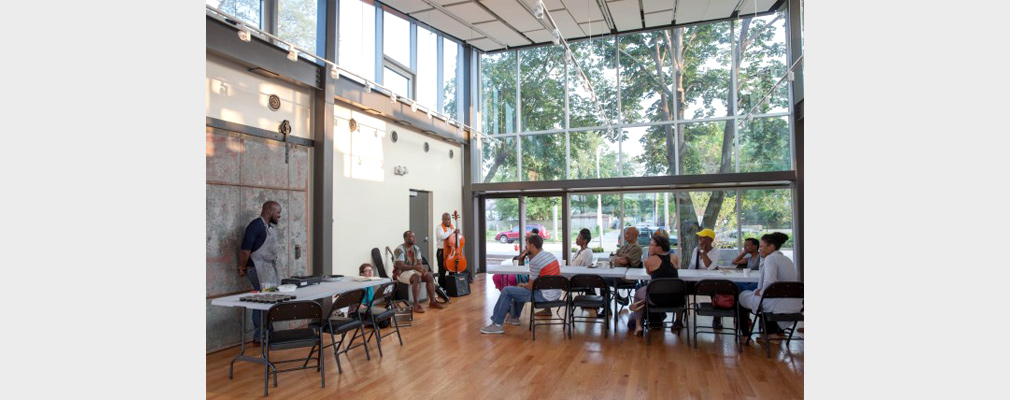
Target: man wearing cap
<point>703,258</point>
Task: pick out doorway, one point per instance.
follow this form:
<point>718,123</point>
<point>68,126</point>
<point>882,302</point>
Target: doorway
<point>420,222</point>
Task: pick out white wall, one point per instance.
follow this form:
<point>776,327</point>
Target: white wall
<point>237,95</point>
<point>370,203</point>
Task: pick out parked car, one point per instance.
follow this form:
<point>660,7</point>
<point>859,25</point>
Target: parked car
<point>645,236</point>
<point>512,235</point>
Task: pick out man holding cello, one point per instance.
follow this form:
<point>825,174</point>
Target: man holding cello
<point>442,233</point>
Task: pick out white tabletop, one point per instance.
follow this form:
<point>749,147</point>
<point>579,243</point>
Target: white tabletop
<point>698,274</point>
<point>508,269</point>
<point>604,271</point>
<point>311,292</point>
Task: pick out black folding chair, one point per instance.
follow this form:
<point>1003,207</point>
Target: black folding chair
<point>712,287</point>
<point>292,338</point>
<point>779,290</point>
<point>342,325</point>
<point>384,292</point>
<point>546,283</point>
<point>586,283</point>
<point>664,295</point>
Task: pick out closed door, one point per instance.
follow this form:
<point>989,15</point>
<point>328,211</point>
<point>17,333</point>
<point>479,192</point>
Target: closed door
<point>420,222</point>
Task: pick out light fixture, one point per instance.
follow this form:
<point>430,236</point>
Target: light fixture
<point>368,87</point>
<point>557,36</point>
<point>413,106</point>
<point>447,121</point>
<point>292,53</point>
<point>429,115</point>
<point>334,73</point>
<point>392,97</point>
<point>243,33</point>
<point>538,10</point>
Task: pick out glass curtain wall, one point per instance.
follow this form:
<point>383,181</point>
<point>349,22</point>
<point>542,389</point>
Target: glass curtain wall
<point>675,101</point>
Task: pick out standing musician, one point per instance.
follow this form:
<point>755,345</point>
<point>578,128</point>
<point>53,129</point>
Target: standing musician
<point>442,233</point>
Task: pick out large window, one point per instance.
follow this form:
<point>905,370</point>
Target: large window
<point>499,159</point>
<point>599,213</point>
<point>541,155</point>
<point>542,80</point>
<point>427,68</point>
<point>762,63</point>
<point>357,38</point>
<point>450,64</point>
<point>498,93</point>
<point>249,11</point>
<point>297,23</point>
<point>596,59</point>
<point>396,38</point>
<point>594,154</point>
<point>502,230</point>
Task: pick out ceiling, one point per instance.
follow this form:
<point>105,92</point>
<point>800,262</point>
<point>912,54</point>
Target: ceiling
<point>491,25</point>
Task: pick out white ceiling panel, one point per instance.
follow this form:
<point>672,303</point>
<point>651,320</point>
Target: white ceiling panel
<point>659,18</point>
<point>583,10</point>
<point>503,33</point>
<point>719,9</point>
<point>569,28</point>
<point>595,28</point>
<point>471,13</point>
<point>515,14</point>
<point>485,44</point>
<point>540,36</point>
<point>691,11</point>
<point>446,24</point>
<point>407,6</point>
<point>627,15</point>
<point>762,6</point>
<point>651,6</point>
<point>444,2</point>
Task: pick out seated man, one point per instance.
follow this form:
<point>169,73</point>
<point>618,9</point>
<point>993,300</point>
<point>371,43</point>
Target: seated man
<point>629,255</point>
<point>703,257</point>
<point>512,299</point>
<point>408,269</point>
<point>748,258</point>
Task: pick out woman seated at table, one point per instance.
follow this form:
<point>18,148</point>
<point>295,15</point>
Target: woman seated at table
<point>662,263</point>
<point>584,258</point>
<point>775,267</point>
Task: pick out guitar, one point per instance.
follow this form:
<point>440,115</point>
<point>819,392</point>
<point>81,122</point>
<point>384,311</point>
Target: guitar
<point>455,260</point>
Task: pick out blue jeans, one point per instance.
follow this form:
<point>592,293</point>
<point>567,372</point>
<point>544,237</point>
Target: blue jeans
<point>746,286</point>
<point>256,314</point>
<point>512,298</point>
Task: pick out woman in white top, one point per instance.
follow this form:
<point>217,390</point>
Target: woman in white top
<point>775,267</point>
<point>584,258</point>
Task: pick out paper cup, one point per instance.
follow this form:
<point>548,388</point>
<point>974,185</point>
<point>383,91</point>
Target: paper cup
<point>515,263</point>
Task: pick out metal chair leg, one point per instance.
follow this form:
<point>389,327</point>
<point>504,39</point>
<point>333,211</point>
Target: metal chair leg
<point>764,335</point>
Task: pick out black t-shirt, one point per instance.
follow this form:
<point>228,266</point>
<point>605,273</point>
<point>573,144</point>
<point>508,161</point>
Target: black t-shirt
<point>255,235</point>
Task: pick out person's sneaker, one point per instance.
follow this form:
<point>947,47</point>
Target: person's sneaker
<point>512,321</point>
<point>493,329</point>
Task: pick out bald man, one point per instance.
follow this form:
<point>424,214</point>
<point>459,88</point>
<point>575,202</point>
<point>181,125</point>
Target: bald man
<point>259,250</point>
<point>630,254</point>
<point>443,232</point>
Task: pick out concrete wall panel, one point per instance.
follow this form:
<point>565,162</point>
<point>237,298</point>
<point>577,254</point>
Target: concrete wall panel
<point>298,234</point>
<point>299,168</point>
<point>223,158</point>
<point>224,236</point>
<point>263,163</point>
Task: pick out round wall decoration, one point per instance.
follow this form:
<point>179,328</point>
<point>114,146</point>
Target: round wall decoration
<point>394,136</point>
<point>274,103</point>
<point>353,125</point>
<point>425,147</point>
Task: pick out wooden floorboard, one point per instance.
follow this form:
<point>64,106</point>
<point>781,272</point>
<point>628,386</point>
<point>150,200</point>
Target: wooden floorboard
<point>444,356</point>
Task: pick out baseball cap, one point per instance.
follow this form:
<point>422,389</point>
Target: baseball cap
<point>706,233</point>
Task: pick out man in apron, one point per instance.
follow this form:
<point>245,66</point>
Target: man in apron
<point>259,250</point>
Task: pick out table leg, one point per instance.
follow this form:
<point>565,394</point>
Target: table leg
<point>241,354</point>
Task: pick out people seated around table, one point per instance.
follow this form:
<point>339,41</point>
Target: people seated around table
<point>408,269</point>
<point>703,257</point>
<point>512,299</point>
<point>520,279</point>
<point>584,258</point>
<point>749,258</point>
<point>629,255</point>
<point>662,263</point>
<point>775,267</point>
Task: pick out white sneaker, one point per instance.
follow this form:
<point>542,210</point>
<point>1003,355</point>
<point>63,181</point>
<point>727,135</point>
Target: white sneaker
<point>493,329</point>
<point>512,321</point>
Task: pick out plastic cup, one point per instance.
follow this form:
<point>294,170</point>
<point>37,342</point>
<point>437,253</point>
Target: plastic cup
<point>515,263</point>
<point>746,273</point>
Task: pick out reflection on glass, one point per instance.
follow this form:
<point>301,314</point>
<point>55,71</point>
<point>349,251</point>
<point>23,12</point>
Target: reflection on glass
<point>542,79</point>
<point>357,38</point>
<point>396,38</point>
<point>596,58</point>
<point>763,62</point>
<point>498,92</point>
<point>764,145</point>
<point>498,159</point>
<point>297,23</point>
<point>599,214</point>
<point>541,154</point>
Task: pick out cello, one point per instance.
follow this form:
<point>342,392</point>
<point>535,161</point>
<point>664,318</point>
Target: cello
<point>455,260</point>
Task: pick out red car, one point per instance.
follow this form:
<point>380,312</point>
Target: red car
<point>513,235</point>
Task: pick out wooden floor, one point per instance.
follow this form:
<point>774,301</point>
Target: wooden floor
<point>444,356</point>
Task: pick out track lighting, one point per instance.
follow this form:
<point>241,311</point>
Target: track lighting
<point>292,53</point>
<point>392,97</point>
<point>413,106</point>
<point>243,33</point>
<point>334,73</point>
<point>368,87</point>
<point>557,36</point>
<point>429,115</point>
<point>538,10</point>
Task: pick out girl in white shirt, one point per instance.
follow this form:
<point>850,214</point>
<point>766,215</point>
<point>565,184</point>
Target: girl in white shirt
<point>584,258</point>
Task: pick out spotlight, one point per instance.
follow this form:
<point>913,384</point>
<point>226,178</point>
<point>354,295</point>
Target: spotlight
<point>368,87</point>
<point>413,106</point>
<point>243,33</point>
<point>292,53</point>
<point>429,115</point>
<point>334,73</point>
<point>392,97</point>
<point>538,11</point>
<point>557,36</point>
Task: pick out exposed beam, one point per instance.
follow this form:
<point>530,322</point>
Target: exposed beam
<point>710,181</point>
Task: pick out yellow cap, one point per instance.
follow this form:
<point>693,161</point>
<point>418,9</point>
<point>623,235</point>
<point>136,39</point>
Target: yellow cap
<point>706,233</point>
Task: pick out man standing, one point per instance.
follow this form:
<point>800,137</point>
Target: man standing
<point>259,251</point>
<point>409,270</point>
<point>513,298</point>
<point>443,232</point>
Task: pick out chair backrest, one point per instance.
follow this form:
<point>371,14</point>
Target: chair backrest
<point>666,292</point>
<point>348,299</point>
<point>587,281</point>
<point>551,282</point>
<point>294,310</point>
<point>708,287</point>
<point>784,290</point>
<point>385,291</point>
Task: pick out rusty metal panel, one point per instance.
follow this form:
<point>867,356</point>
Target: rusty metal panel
<point>224,153</point>
<point>263,164</point>
<point>224,236</point>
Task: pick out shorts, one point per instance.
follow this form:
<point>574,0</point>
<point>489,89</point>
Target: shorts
<point>406,275</point>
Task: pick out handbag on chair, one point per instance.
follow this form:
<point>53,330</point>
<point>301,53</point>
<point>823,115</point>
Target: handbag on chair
<point>723,301</point>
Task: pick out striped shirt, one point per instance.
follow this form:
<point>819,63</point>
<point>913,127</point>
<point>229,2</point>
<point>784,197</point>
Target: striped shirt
<point>546,264</point>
